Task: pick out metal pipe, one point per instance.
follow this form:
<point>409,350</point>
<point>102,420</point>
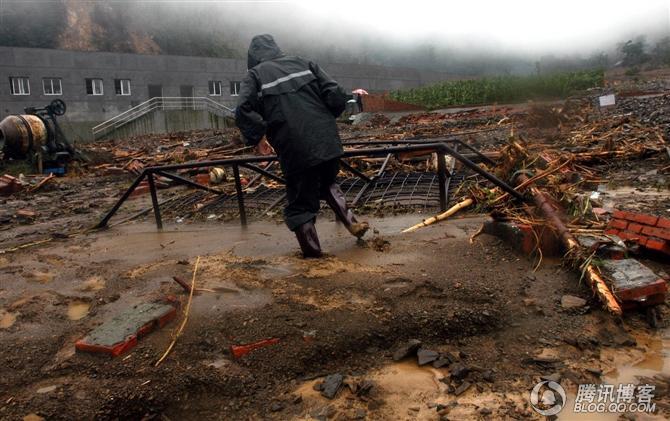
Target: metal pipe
<point>363,189</point>
<point>240,198</point>
<point>476,168</point>
<point>154,201</point>
<point>117,205</point>
<point>263,172</point>
<point>275,203</point>
<point>442,181</point>
<point>354,171</point>
<point>259,176</point>
<point>479,154</point>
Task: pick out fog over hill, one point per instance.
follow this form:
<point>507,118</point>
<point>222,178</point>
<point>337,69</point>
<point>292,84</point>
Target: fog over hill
<point>479,38</point>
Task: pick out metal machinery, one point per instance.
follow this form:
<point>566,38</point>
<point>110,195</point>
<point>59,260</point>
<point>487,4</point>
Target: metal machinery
<point>36,136</point>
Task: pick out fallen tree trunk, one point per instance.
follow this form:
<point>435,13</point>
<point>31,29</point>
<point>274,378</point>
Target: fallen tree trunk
<point>449,212</point>
<point>591,273</point>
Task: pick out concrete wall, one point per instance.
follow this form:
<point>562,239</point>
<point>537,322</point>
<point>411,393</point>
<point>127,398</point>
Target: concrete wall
<point>169,121</point>
<point>172,72</point>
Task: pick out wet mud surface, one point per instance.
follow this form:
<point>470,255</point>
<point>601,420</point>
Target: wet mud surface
<point>346,314</point>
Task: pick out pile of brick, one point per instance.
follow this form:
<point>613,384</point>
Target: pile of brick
<point>649,231</point>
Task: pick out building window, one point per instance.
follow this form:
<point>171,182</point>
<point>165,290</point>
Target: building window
<point>235,88</point>
<point>94,86</point>
<point>52,86</point>
<point>215,87</point>
<point>122,86</point>
<point>20,85</point>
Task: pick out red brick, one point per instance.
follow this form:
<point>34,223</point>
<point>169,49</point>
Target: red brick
<point>627,235</point>
<point>656,289</point>
<point>612,231</point>
<point>657,232</point>
<point>618,214</point>
<point>658,245</point>
<point>618,223</point>
<point>635,227</point>
<point>140,190</point>
<point>642,219</point>
<point>663,223</point>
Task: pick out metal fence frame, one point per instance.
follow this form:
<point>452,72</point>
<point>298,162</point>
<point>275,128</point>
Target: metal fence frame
<point>440,146</point>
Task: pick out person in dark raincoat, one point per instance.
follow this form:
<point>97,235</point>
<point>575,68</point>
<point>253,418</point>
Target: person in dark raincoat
<point>294,103</point>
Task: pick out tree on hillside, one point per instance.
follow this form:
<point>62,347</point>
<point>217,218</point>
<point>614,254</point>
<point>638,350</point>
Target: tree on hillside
<point>634,52</point>
<point>661,52</point>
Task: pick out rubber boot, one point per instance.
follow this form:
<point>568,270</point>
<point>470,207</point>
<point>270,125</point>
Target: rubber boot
<point>308,240</point>
<point>337,202</point>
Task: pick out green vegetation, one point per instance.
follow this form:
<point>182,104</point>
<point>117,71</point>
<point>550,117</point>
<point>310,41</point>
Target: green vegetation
<point>504,89</point>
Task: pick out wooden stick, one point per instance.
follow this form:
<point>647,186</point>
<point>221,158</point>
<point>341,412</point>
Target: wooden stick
<point>24,246</point>
<point>186,312</point>
<point>42,182</point>
<point>458,206</point>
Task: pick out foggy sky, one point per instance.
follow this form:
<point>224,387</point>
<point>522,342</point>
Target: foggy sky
<point>518,26</point>
<point>468,36</point>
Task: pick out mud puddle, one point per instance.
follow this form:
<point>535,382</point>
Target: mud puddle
<point>634,368</point>
<point>7,319</point>
<point>404,388</point>
<point>224,299</point>
<point>77,310</point>
<point>405,391</point>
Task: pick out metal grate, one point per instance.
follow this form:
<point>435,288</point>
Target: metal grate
<point>416,191</point>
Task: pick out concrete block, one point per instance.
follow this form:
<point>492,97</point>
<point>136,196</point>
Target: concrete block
<point>603,246</point>
<point>633,283</point>
<point>121,333</point>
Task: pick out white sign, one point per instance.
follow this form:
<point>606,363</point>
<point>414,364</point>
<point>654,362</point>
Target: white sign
<point>607,100</point>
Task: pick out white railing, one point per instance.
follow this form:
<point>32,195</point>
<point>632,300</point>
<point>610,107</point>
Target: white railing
<point>160,103</point>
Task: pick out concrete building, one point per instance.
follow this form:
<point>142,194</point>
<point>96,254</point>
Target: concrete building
<point>97,86</point>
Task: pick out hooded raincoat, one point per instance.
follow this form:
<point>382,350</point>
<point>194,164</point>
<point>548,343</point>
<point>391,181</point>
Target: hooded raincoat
<point>294,103</point>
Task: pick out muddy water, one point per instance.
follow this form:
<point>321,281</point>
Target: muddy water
<point>77,310</point>
<point>228,299</point>
<point>405,388</point>
<point>655,360</point>
<point>7,319</point>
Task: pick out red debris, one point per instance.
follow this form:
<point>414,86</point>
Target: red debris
<point>650,231</point>
<point>202,179</point>
<point>239,351</point>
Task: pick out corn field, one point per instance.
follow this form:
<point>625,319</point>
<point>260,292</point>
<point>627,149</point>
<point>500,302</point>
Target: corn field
<point>503,89</point>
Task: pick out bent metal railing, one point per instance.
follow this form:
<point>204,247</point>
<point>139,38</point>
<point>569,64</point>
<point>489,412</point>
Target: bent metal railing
<point>440,146</point>
<point>160,103</point>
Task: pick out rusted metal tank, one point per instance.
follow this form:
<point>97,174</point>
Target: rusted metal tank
<point>22,134</point>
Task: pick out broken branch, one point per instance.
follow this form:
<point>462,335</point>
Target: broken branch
<point>461,205</point>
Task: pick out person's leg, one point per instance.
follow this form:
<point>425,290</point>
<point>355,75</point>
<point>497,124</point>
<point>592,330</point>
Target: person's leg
<point>300,213</point>
<point>334,197</point>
